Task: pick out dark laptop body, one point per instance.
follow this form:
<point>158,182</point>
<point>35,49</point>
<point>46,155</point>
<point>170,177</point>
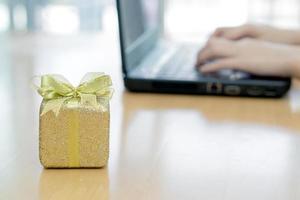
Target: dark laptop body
<point>150,63</point>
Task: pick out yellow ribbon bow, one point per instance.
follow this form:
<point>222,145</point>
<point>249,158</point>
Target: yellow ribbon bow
<point>56,90</point>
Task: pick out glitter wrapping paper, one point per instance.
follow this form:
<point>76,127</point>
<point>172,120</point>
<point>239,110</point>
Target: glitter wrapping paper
<point>77,138</point>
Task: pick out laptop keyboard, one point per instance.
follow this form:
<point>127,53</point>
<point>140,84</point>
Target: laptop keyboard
<point>181,64</point>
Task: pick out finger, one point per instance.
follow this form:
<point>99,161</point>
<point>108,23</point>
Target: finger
<point>219,31</point>
<point>226,63</point>
<point>215,48</point>
<point>207,55</point>
<point>234,33</point>
<point>237,33</point>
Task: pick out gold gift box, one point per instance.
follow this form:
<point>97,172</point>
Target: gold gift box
<point>74,121</point>
<point>77,138</point>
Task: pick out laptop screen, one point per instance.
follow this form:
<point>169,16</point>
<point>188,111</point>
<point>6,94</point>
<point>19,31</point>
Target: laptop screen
<point>140,28</point>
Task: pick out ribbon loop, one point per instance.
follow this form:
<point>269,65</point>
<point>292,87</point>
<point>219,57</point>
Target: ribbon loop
<point>56,90</point>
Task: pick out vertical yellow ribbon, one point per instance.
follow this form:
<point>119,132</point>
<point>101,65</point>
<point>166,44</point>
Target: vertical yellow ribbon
<point>73,139</point>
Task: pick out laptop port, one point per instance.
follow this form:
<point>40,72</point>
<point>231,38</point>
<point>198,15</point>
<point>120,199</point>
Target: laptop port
<point>255,91</point>
<point>214,88</point>
<point>232,90</point>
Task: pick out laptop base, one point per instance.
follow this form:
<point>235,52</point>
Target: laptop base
<point>268,89</point>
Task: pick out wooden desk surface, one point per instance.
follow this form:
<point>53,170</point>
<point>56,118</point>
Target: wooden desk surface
<point>162,146</point>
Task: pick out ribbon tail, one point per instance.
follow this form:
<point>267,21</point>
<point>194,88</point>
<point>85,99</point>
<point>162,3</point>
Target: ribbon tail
<point>104,104</point>
<point>54,106</point>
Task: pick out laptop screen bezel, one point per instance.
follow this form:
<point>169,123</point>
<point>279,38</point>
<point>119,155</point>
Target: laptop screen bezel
<point>149,41</point>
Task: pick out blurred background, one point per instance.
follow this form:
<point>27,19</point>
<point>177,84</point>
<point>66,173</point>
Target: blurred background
<point>183,18</point>
<point>54,36</point>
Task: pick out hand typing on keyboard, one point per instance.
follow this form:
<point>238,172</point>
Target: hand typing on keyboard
<point>252,55</point>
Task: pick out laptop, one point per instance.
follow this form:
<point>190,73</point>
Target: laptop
<point>151,63</point>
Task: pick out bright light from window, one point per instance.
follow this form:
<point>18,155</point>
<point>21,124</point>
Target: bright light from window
<point>20,20</point>
<point>4,16</point>
<point>190,19</point>
<point>60,19</point>
<point>187,20</point>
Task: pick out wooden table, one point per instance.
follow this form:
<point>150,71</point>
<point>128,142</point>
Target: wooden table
<point>162,146</point>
